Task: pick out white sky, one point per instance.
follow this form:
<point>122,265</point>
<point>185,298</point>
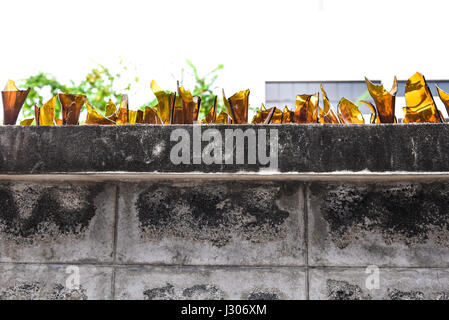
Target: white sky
<point>255,40</point>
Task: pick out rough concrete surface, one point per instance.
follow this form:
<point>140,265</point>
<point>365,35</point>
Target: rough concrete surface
<point>166,236</point>
<point>56,222</point>
<point>394,284</point>
<point>223,223</point>
<point>386,224</point>
<point>52,282</point>
<point>302,148</point>
<point>161,283</point>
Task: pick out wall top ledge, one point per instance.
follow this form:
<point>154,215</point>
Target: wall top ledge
<point>301,149</point>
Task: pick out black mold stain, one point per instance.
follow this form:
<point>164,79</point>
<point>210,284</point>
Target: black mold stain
<point>61,293</point>
<point>196,292</point>
<point>441,296</point>
<point>213,212</point>
<point>400,212</point>
<point>396,294</point>
<point>47,210</point>
<point>23,291</point>
<point>163,293</point>
<point>203,292</point>
<point>262,295</point>
<point>342,290</point>
<point>35,291</point>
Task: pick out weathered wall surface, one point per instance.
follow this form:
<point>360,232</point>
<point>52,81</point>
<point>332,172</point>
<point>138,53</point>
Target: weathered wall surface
<point>223,237</point>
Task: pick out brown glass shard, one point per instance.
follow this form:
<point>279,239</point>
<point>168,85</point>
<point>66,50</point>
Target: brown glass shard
<point>122,113</point>
<point>13,100</point>
<point>374,114</point>
<point>287,115</point>
<point>164,102</point>
<point>212,114</point>
<point>71,105</point>
<point>111,111</point>
<point>272,115</point>
<point>135,117</point>
<point>46,113</point>
<point>445,98</point>
<point>223,118</point>
<point>275,115</point>
<point>260,116</point>
<point>36,113</point>
<point>327,115</point>
<point>348,112</point>
<point>306,108</point>
<point>420,106</point>
<point>384,100</point>
<point>151,117</point>
<point>190,106</point>
<point>96,118</point>
<point>177,111</point>
<point>27,122</point>
<point>237,106</point>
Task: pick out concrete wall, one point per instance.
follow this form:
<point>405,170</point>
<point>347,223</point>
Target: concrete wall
<point>222,235</point>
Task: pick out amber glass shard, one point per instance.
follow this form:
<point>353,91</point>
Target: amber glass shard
<point>47,113</point>
<point>122,113</point>
<point>132,114</point>
<point>122,117</point>
<point>272,115</point>
<point>13,100</point>
<point>96,118</point>
<point>140,115</point>
<point>71,105</point>
<point>27,122</point>
<point>301,109</point>
<point>444,97</point>
<point>37,112</point>
<point>164,102</point>
<point>374,115</point>
<point>177,111</point>
<point>327,115</point>
<point>287,115</point>
<point>326,103</point>
<point>306,108</point>
<point>384,100</point>
<point>420,105</point>
<point>151,117</point>
<point>111,111</point>
<point>348,112</point>
<point>275,115</point>
<point>190,105</point>
<point>260,116</point>
<point>10,86</point>
<point>223,118</point>
<point>237,106</point>
<point>212,114</point>
<point>135,117</point>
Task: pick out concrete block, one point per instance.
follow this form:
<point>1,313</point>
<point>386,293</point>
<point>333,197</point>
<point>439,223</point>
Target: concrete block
<point>415,148</point>
<point>394,284</point>
<point>382,223</point>
<point>56,221</point>
<point>209,283</point>
<point>54,282</point>
<point>204,222</point>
